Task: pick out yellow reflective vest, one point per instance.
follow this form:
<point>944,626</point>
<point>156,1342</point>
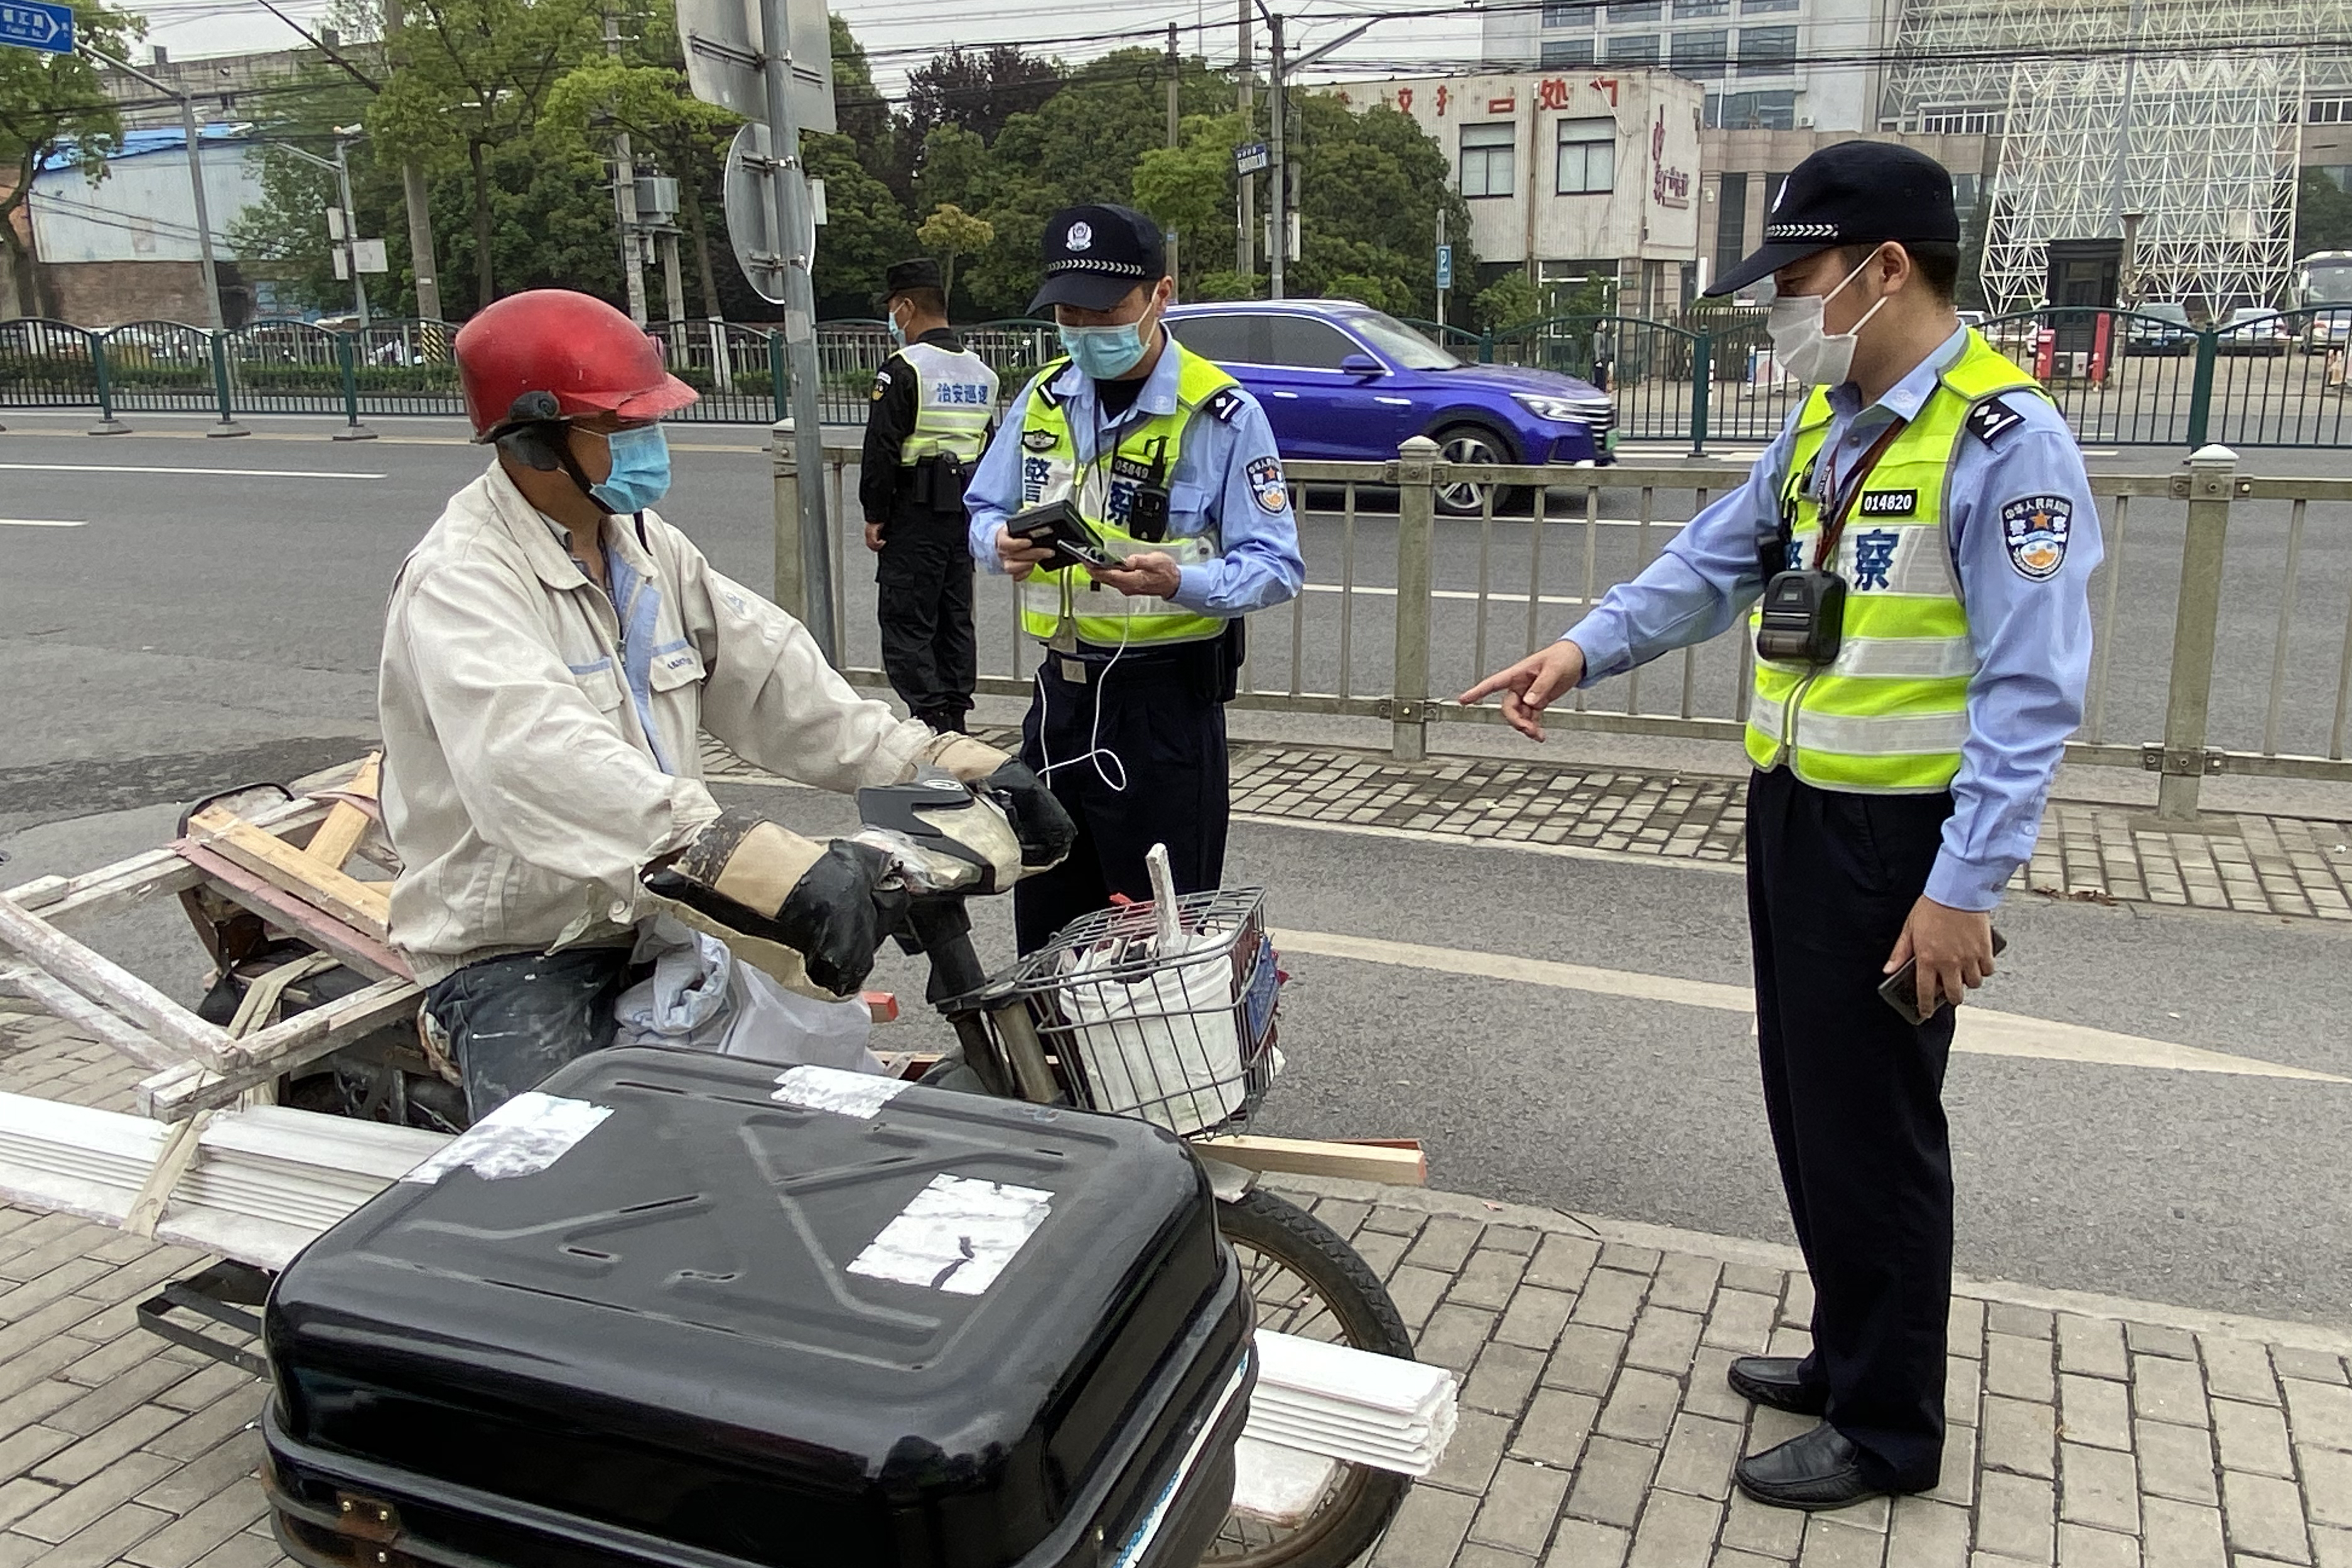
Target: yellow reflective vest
<point>1104,616</point>
<point>1890,715</point>
<point>955,398</point>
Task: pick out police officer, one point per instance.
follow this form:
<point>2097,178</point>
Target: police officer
<point>1173,467</point>
<point>1920,534</point>
<point>933,402</point>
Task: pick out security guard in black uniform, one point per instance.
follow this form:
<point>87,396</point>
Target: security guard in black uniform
<point>933,403</point>
<point>1172,469</point>
<point>1917,544</point>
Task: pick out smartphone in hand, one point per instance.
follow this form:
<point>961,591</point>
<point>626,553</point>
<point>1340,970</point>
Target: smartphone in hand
<point>1900,990</point>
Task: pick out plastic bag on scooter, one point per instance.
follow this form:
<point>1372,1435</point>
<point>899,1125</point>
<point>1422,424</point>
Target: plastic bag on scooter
<point>700,999</point>
<point>1162,1047</point>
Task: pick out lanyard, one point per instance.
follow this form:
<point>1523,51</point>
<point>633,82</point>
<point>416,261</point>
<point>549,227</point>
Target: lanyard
<point>1825,547</point>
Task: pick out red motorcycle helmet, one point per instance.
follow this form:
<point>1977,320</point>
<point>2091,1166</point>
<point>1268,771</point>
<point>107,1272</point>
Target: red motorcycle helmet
<point>581,357</point>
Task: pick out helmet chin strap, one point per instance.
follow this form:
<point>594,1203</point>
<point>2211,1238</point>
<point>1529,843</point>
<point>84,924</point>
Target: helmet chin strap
<point>577,475</point>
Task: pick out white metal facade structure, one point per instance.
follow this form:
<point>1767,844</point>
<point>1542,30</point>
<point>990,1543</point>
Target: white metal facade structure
<point>2207,94</point>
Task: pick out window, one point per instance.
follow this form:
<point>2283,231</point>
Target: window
<point>1588,158</point>
<point>1687,9</point>
<point>1967,189</point>
<point>1487,169</point>
<point>2329,111</point>
<point>1644,11</point>
<point>1569,12</point>
<point>1768,51</point>
<point>1957,122</point>
<point>1701,55</point>
<point>1567,52</point>
<point>2338,175</point>
<point>1762,7</point>
<point>1307,344</point>
<point>1731,223</point>
<point>1633,49</point>
<point>1752,111</point>
<point>1235,339</point>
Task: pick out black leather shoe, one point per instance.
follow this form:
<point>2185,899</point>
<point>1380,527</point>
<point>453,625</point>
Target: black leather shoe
<point>1772,1380</point>
<point>1818,1471</point>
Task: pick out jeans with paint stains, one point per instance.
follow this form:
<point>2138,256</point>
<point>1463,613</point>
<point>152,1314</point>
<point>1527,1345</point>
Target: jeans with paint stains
<point>513,1020</point>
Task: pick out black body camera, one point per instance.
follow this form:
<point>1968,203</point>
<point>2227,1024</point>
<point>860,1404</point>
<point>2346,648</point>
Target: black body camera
<point>1803,618</point>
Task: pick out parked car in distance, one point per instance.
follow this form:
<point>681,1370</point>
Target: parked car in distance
<point>1341,381</point>
<point>2169,333</point>
<point>2324,327</point>
<point>2255,330</point>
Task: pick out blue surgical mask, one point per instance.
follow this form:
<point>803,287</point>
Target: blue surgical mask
<point>1105,353</point>
<point>897,333</point>
<point>640,474</point>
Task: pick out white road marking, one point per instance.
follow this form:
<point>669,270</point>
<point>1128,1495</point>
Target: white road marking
<point>1460,840</point>
<point>42,523</point>
<point>1982,1031</point>
<point>216,473</point>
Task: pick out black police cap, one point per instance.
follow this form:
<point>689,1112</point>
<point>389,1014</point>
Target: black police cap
<point>1098,256</point>
<point>1853,192</point>
<point>922,272</point>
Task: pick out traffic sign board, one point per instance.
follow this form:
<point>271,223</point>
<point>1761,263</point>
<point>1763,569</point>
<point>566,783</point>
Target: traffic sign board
<point>724,44</point>
<point>36,24</point>
<point>1250,157</point>
<point>1445,267</point>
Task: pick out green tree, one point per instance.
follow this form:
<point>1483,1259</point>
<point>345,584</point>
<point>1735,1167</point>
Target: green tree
<point>46,104</point>
<point>952,232</point>
<point>642,91</point>
<point>1371,188</point>
<point>1190,188</point>
<point>2323,218</point>
<point>283,236</point>
<point>473,80</point>
<point>1510,300</point>
<point>866,229</point>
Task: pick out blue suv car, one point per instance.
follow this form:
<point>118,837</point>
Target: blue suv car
<point>1344,382</point>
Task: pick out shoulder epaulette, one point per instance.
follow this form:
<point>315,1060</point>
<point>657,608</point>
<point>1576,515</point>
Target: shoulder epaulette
<point>1993,417</point>
<point>1224,405</point>
<point>1044,393</point>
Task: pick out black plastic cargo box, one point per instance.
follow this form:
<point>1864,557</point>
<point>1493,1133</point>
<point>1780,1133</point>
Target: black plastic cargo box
<point>682,1308</point>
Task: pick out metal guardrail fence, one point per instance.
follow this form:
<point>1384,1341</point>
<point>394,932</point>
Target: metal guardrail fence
<point>1403,607</point>
<point>2123,379</point>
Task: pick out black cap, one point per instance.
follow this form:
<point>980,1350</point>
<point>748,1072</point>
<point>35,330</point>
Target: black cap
<point>922,272</point>
<point>1095,256</point>
<point>1853,192</point>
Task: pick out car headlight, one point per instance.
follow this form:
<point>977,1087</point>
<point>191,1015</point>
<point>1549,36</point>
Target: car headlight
<point>1564,409</point>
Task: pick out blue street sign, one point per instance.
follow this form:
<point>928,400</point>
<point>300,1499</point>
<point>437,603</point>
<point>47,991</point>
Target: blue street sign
<point>1248,158</point>
<point>1445,257</point>
<point>36,24</point>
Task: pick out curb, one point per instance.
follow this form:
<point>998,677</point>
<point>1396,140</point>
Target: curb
<point>2320,1337</point>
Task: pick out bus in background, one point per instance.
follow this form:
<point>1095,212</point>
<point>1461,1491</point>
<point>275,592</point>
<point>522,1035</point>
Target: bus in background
<point>2323,286</point>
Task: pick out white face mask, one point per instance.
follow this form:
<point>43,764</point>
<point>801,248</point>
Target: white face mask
<point>1802,348</point>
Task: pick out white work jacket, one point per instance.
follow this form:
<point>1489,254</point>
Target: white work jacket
<point>524,785</point>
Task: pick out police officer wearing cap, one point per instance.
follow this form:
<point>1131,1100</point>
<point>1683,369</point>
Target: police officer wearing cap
<point>933,403</point>
<point>1171,467</point>
<point>1916,544</point>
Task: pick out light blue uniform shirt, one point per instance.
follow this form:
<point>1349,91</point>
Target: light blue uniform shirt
<point>1226,475</point>
<point>2032,636</point>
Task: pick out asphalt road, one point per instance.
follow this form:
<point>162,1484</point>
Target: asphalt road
<point>201,629</point>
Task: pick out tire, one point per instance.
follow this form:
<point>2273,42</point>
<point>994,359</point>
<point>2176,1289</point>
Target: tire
<point>1473,444</point>
<point>1310,1282</point>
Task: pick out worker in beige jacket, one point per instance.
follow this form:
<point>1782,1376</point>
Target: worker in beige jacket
<point>552,653</point>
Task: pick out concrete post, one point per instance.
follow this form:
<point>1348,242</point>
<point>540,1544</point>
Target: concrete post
<point>792,576</point>
<point>2212,486</point>
<point>1416,529</point>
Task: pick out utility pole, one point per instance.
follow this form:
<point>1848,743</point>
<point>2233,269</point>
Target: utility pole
<point>673,286</point>
<point>1245,220</point>
<point>1277,240</point>
<point>1175,69</point>
<point>195,178</point>
<point>625,194</point>
<point>351,227</point>
<point>414,195</point>
<point>792,223</point>
<point>1441,293</point>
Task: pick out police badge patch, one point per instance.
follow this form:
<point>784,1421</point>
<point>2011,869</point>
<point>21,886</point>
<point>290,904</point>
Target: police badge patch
<point>2036,530</point>
<point>1037,440</point>
<point>1266,485</point>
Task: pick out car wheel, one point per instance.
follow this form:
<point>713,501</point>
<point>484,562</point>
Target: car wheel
<point>1475,445</point>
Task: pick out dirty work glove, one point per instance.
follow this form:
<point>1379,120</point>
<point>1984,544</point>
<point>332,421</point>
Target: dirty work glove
<point>1039,820</point>
<point>826,902</point>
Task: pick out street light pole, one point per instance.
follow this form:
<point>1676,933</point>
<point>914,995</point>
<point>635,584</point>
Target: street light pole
<point>195,177</point>
<point>1277,206</point>
<point>342,167</point>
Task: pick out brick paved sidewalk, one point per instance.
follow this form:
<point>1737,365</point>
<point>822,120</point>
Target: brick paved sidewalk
<point>1596,1428</point>
<point>2273,865</point>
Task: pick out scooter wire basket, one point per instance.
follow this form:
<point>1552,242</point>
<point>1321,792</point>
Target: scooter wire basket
<point>1181,1037</point>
